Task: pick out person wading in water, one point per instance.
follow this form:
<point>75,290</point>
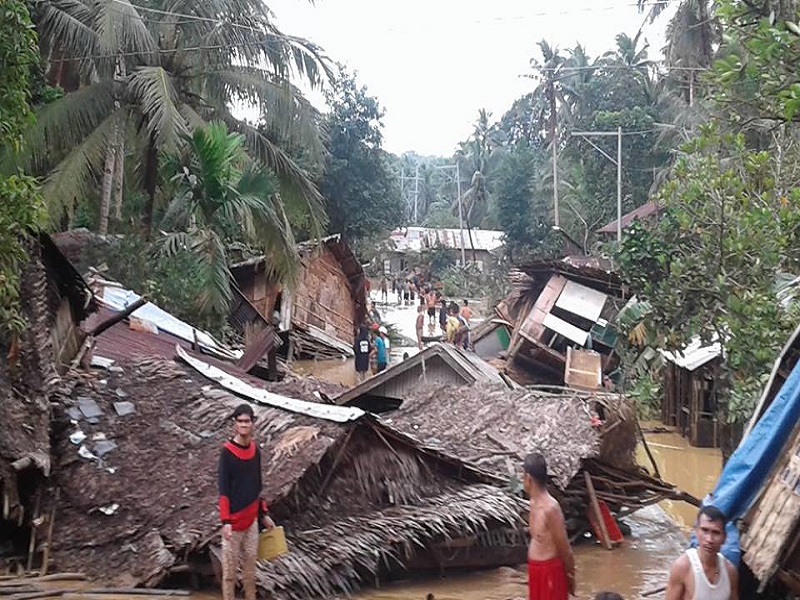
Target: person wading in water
<point>702,573</point>
<point>240,504</point>
<point>551,567</point>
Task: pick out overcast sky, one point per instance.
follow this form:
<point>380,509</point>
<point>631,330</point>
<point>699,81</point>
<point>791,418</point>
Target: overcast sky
<point>433,64</point>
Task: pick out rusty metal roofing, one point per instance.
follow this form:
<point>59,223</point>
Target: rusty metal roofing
<point>645,211</point>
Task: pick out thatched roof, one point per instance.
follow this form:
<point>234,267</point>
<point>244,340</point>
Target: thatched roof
<point>495,427</point>
<point>354,497</point>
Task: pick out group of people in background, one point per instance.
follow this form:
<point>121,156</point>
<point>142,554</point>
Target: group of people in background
<point>454,320</point>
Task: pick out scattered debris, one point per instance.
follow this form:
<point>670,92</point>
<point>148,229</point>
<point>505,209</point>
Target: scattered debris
<point>124,408</point>
<point>89,408</point>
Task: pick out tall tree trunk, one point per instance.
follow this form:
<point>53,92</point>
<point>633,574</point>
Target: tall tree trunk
<point>119,152</point>
<point>119,175</point>
<point>108,181</point>
<point>150,184</point>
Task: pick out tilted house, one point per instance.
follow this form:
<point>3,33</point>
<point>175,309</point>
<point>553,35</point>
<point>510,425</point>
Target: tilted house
<point>53,300</point>
<point>319,316</point>
<point>554,306</point>
<point>770,450</point>
<point>690,392</point>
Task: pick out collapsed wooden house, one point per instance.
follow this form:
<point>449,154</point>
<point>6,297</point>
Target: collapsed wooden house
<point>53,300</point>
<point>578,432</point>
<point>361,501</point>
<point>320,314</point>
<point>437,364</point>
<point>555,305</point>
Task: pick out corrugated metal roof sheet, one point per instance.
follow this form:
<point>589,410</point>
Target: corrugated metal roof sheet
<point>415,239</point>
<point>695,355</point>
<point>118,299</point>
<point>327,412</point>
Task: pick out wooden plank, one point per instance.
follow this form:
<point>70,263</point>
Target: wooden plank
<point>595,506</point>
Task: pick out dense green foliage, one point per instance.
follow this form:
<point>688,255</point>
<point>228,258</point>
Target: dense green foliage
<point>21,211</point>
<point>361,191</point>
<point>222,197</point>
<point>717,263</point>
<point>710,266</point>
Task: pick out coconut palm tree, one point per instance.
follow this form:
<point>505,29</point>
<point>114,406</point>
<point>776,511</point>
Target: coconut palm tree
<point>152,72</point>
<point>222,196</point>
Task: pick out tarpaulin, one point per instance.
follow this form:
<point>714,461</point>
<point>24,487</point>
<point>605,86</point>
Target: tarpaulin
<point>749,466</point>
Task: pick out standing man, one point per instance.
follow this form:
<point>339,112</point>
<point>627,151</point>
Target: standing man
<point>551,567</point>
<point>702,573</point>
<point>380,351</point>
<point>430,301</point>
<point>240,504</point>
<point>420,324</point>
<point>361,349</point>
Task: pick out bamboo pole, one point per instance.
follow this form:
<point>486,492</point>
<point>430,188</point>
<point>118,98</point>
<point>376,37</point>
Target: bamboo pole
<point>46,553</point>
<point>34,527</point>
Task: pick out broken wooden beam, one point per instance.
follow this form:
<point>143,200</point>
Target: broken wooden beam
<point>113,320</point>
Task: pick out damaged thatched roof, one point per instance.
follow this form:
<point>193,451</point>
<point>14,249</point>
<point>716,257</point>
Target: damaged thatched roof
<point>495,427</point>
<point>354,497</point>
<point>29,372</point>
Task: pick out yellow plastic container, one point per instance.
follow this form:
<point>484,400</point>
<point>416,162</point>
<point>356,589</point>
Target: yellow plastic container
<point>272,544</point>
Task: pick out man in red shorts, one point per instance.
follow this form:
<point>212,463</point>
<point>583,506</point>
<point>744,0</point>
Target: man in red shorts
<point>551,568</point>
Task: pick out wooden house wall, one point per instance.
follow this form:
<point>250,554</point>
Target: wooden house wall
<point>261,292</point>
<point>324,299</point>
<point>437,372</point>
<point>770,537</point>
<point>683,404</point>
<point>65,336</point>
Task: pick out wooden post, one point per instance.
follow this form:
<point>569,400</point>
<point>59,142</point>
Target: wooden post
<point>595,506</point>
<point>51,521</point>
<point>34,527</point>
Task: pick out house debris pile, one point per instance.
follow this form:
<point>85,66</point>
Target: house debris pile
<point>135,456</point>
<point>577,432</point>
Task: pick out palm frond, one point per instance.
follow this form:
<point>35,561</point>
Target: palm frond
<point>296,185</point>
<point>209,249</point>
<point>62,125</point>
<point>67,26</point>
<point>153,90</point>
<point>285,112</point>
<point>175,243</point>
<point>73,176</point>
<point>120,28</point>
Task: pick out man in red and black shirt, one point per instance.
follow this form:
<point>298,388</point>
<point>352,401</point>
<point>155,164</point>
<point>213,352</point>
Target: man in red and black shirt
<point>240,504</point>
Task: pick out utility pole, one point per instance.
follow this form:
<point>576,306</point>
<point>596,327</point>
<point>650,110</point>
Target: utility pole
<point>555,168</point>
<point>618,133</point>
<point>619,184</point>
<point>460,215</point>
<point>416,193</point>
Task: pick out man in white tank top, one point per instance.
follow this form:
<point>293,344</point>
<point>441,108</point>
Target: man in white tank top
<point>702,573</point>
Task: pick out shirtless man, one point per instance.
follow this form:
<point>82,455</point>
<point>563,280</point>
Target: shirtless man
<point>702,573</point>
<point>551,568</point>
